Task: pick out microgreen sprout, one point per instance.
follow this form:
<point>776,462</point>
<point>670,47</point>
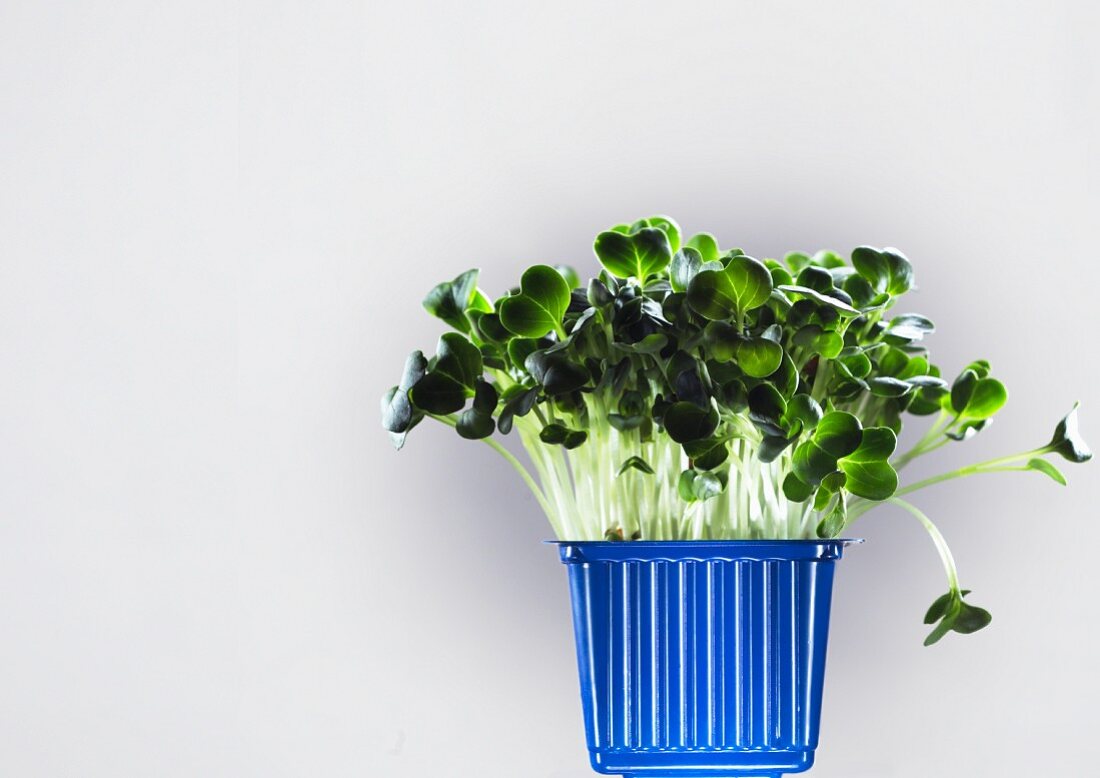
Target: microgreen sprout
<point>690,392</point>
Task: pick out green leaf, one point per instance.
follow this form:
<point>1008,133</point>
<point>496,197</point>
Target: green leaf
<point>759,357</point>
<point>458,359</point>
<point>805,409</point>
<point>833,524</point>
<point>796,260</point>
<point>540,306</point>
<point>685,421</point>
<point>795,489</point>
<point>625,423</point>
<point>1043,466</point>
<point>697,487</point>
<point>570,276</point>
<point>939,607</point>
<point>876,445</point>
<point>1067,440</point>
<point>706,245</point>
<point>887,386</point>
<point>743,285</point>
<point>804,291</point>
<point>670,228</point>
<point>910,327</point>
<point>520,348</point>
<point>953,613</point>
<point>722,338</point>
<point>870,480</point>
<point>969,429</point>
<point>986,398</point>
<point>887,270</point>
<point>636,463</point>
<point>397,411</point>
<point>634,256</point>
<point>450,299</point>
<point>970,619</point>
<point>837,435</point>
<point>687,264</point>
<point>818,341</point>
<point>858,365</point>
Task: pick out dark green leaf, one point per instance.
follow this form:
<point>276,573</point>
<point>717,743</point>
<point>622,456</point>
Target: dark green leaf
<point>1067,439</point>
<point>837,435</point>
<point>886,386</point>
<point>962,389</point>
<point>485,397</point>
<point>449,300</point>
<point>438,393</point>
<point>458,359</point>
<point>474,425</point>
<point>771,446</point>
<point>766,404</point>
<point>706,454</point>
<point>518,405</point>
<point>722,339</point>
<point>805,409</point>
<point>887,270</point>
<point>397,411</point>
<point>574,438</point>
<point>555,372</point>
<point>636,463</point>
<point>554,434</point>
<point>970,619</point>
<point>686,421</point>
<point>670,228</point>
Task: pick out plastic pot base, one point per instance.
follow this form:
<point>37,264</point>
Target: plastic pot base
<point>701,658</point>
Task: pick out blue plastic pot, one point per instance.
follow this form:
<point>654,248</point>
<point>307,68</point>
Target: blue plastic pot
<point>701,658</point>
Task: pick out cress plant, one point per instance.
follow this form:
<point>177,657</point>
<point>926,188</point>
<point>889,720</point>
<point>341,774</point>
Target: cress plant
<point>690,392</point>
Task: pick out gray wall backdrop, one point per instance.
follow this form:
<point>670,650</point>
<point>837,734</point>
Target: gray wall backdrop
<point>216,224</point>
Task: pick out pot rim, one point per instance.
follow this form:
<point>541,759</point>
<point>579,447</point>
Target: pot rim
<point>721,543</point>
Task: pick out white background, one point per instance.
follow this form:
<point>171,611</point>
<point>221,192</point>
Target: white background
<point>217,221</point>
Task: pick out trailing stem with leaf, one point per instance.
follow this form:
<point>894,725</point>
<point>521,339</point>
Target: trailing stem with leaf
<point>694,392</point>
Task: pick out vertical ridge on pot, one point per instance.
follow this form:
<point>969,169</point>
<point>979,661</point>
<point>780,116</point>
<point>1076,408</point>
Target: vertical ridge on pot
<point>701,657</point>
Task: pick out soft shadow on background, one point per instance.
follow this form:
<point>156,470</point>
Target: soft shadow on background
<point>216,225</point>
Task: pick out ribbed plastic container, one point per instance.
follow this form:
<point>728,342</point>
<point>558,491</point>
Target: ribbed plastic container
<point>701,658</point>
